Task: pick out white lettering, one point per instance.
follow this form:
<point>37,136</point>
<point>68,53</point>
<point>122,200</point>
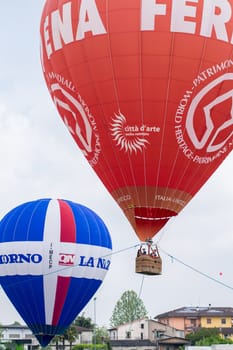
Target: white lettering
<point>89,20</point>
<point>180,10</point>
<point>66,259</point>
<point>47,43</point>
<point>149,10</point>
<point>216,13</point>
<point>212,20</point>
<point>62,28</point>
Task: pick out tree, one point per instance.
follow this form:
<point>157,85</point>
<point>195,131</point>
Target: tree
<point>101,335</point>
<point>71,333</point>
<point>207,337</point>
<point>85,322</point>
<point>127,309</point>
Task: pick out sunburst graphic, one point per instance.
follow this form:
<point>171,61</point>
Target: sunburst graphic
<point>130,143</point>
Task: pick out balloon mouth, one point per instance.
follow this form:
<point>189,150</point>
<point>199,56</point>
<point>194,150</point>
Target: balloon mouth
<point>149,221</point>
<point>153,214</point>
<point>144,218</point>
<point>44,339</point>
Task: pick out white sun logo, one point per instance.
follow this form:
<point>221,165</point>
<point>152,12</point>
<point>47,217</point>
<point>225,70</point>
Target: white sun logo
<point>130,143</point>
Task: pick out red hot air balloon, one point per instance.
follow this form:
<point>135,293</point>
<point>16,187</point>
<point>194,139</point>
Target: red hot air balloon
<point>145,88</point>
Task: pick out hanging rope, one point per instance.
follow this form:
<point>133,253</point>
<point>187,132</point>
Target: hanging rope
<point>173,258</point>
<point>140,290</point>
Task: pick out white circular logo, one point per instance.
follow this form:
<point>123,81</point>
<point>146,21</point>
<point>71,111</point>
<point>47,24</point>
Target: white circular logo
<point>211,138</point>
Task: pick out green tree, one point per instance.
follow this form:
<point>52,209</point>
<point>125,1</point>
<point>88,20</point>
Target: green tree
<point>207,337</point>
<point>101,335</point>
<point>127,309</point>
<point>1,331</point>
<point>200,334</point>
<point>71,333</point>
<point>85,322</point>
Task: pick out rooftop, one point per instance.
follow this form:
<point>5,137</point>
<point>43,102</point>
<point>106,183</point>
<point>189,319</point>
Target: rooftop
<point>190,311</point>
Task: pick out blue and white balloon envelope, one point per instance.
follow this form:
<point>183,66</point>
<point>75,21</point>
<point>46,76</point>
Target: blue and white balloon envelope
<point>54,255</point>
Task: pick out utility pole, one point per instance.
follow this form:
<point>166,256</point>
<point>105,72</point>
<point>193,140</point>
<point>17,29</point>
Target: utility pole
<point>95,323</point>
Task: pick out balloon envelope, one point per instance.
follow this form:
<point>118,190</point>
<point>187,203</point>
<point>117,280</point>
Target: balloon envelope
<point>54,255</point>
<point>145,90</point>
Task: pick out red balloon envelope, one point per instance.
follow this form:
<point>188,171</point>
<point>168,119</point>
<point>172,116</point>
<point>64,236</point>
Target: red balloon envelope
<point>145,88</point>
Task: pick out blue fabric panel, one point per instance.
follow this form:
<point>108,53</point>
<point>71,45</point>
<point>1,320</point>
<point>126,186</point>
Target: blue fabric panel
<point>80,292</point>
<point>27,296</point>
<point>88,221</point>
<point>24,223</point>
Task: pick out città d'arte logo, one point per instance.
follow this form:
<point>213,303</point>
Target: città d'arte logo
<point>130,138</point>
<point>204,123</point>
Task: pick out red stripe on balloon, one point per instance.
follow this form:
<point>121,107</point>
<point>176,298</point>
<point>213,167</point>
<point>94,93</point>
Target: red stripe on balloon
<point>68,227</point>
<point>61,294</point>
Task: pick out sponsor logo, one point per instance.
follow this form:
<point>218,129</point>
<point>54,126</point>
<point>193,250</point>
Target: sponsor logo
<point>20,258</point>
<point>76,116</point>
<point>51,256</point>
<point>84,261</point>
<point>99,263</point>
<point>202,132</point>
<point>131,138</point>
<point>66,259</point>
<point>124,198</point>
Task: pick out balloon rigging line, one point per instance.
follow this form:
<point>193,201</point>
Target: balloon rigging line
<point>123,250</point>
<point>196,270</point>
<point>140,291</point>
<point>71,267</point>
<point>173,258</point>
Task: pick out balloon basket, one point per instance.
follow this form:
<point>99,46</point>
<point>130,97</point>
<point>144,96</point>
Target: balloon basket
<point>148,265</point>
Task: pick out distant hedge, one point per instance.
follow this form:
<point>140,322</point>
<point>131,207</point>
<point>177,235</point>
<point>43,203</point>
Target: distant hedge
<point>90,347</point>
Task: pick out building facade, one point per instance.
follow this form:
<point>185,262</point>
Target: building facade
<point>189,319</point>
<point>144,329</point>
<point>22,335</point>
<point>18,334</point>
<point>146,334</point>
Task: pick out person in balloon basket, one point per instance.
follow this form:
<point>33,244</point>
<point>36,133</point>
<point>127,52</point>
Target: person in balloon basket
<point>141,251</point>
<point>154,253</point>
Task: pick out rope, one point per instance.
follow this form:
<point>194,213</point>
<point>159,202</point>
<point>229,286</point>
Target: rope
<point>172,257</point>
<point>196,270</point>
<point>140,290</point>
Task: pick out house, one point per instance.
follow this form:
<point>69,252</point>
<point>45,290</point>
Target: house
<point>145,334</point>
<point>85,335</point>
<point>189,319</point>
<point>21,334</point>
<point>211,347</point>
<point>18,334</point>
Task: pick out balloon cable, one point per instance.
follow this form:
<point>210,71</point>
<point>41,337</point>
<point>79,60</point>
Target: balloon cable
<point>196,270</point>
<point>173,258</point>
<point>140,291</point>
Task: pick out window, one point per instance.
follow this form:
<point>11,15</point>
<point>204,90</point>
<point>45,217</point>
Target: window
<point>28,336</point>
<point>14,336</point>
<point>223,321</point>
<point>114,335</point>
<point>141,336</point>
<point>157,334</point>
<point>142,325</point>
<point>208,321</point>
<point>193,323</point>
<point>128,335</point>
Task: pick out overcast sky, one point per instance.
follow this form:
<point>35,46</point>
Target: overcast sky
<point>39,159</point>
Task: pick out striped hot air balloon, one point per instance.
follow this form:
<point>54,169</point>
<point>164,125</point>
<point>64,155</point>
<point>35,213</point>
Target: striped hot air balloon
<point>54,255</point>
